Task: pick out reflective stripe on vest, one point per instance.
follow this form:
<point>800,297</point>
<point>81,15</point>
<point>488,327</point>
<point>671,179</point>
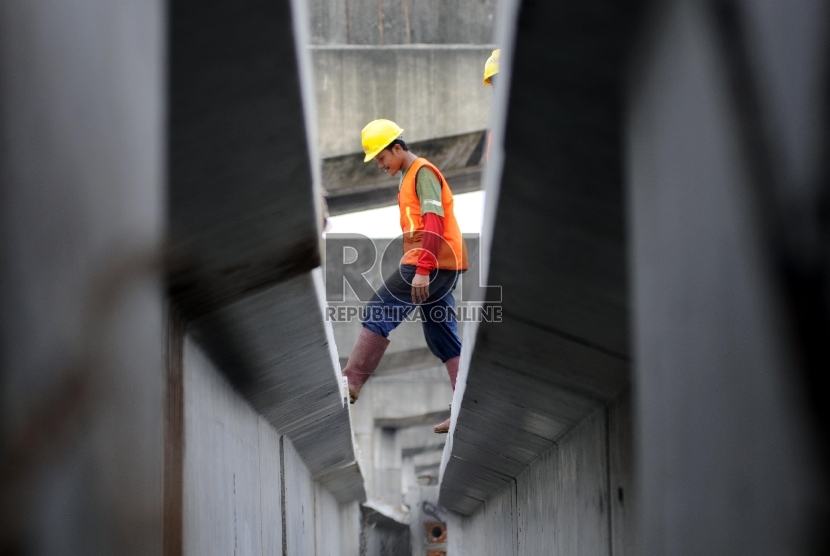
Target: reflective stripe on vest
<point>452,254</point>
<point>411,222</point>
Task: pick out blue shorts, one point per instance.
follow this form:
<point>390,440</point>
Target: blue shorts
<point>392,303</point>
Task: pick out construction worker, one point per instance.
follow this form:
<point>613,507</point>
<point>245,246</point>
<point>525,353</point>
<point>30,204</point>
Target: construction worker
<point>434,254</point>
<point>491,67</point>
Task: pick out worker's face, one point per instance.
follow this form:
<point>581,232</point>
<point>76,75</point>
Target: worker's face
<point>390,160</point>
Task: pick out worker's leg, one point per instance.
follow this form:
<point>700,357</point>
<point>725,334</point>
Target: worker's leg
<point>440,324</point>
<point>441,330</point>
<point>387,309</point>
<point>391,304</point>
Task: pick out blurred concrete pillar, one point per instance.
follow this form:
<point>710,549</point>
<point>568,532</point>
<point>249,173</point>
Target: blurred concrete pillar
<point>81,166</point>
<point>727,458</point>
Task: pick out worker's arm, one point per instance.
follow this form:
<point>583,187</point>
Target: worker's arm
<point>427,261</point>
<point>428,189</point>
<point>433,232</point>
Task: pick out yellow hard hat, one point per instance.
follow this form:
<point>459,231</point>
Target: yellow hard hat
<point>491,66</point>
<point>377,135</point>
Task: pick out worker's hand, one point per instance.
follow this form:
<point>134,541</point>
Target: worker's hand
<point>420,288</point>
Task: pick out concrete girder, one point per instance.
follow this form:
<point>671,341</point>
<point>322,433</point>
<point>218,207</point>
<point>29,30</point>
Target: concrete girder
<point>276,351</point>
<point>415,21</point>
<point>82,224</point>
<point>556,248</point>
<point>727,171</point>
<point>398,362</point>
<point>244,182</point>
<point>431,91</point>
<point>353,185</point>
<point>245,221</point>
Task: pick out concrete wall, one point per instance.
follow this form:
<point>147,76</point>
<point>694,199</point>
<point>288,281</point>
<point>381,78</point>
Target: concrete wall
<point>298,492</point>
<point>232,498</point>
<point>81,219</point>
<point>401,21</point>
<point>720,251</point>
<point>720,232</point>
<point>350,529</point>
<point>383,541</point>
<point>490,531</point>
<point>569,501</point>
<point>430,91</point>
<point>424,515</point>
<point>89,465</point>
<point>243,274</point>
<point>328,535</point>
<point>246,489</point>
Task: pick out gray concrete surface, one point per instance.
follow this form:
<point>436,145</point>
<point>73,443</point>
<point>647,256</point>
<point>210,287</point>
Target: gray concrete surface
<point>298,495</point>
<point>401,21</point>
<point>425,514</point>
<point>246,488</point>
<point>431,91</point>
<point>350,529</point>
<point>727,262</point>
<point>382,539</point>
<point>727,460</point>
<point>540,451</point>
<point>243,176</point>
<point>232,471</point>
<point>245,223</point>
<point>328,535</point>
<point>491,530</point>
<point>554,242</point>
<point>81,219</point>
<point>567,501</point>
<point>562,498</point>
<point>277,351</point>
<point>726,302</point>
<point>263,341</point>
<point>87,430</point>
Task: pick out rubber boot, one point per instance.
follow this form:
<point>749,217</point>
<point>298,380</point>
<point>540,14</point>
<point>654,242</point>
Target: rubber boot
<point>363,361</point>
<point>452,370</point>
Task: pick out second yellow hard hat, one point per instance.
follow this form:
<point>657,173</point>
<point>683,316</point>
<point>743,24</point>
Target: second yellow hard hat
<point>377,135</point>
<point>491,66</point>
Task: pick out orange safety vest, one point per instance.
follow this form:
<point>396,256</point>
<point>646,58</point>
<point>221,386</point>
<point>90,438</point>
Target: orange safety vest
<point>452,254</point>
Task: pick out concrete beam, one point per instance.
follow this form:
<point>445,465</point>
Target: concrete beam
<point>352,184</point>
<point>279,354</point>
<point>356,84</point>
<point>719,160</point>
<point>413,420</point>
<point>556,248</point>
<point>81,220</point>
<point>398,362</point>
<point>390,22</point>
<point>244,199</point>
<point>386,193</point>
<point>386,515</point>
<point>245,220</point>
<point>345,483</point>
